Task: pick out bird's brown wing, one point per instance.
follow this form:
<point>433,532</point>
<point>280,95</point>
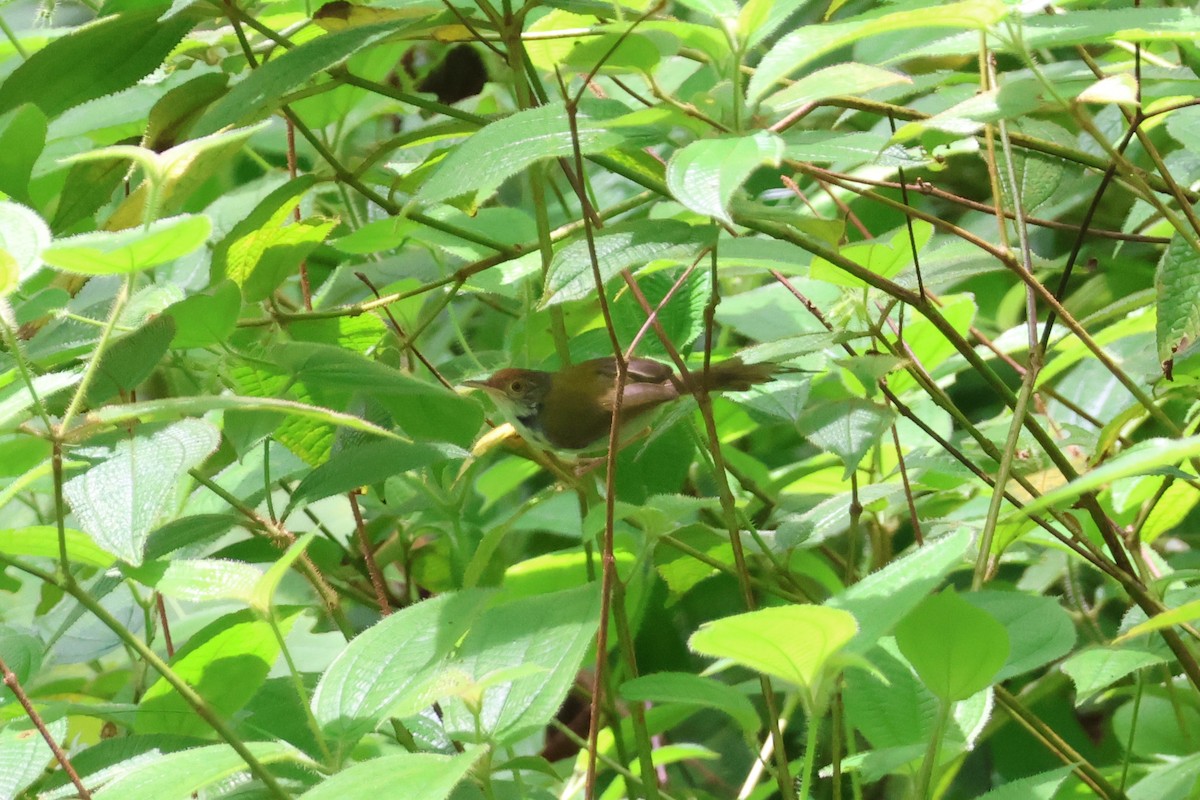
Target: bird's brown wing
<point>639,370</point>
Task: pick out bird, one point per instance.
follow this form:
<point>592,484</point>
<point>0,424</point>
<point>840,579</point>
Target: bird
<point>572,409</point>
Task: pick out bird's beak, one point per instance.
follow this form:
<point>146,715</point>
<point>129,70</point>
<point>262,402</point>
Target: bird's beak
<point>476,384</point>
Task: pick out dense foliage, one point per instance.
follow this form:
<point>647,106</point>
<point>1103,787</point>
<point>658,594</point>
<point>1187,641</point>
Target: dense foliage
<point>257,540</point>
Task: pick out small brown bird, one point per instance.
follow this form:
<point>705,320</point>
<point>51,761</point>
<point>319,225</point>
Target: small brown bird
<point>572,409</point>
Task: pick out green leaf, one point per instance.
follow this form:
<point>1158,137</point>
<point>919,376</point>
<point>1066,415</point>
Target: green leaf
<point>264,589</point>
<point>24,754</point>
<point>263,90</point>
<point>1043,786</point>
<point>41,541</point>
<point>683,688</point>
<point>90,184</point>
<point>178,109</point>
<point>225,662</point>
<point>205,319</point>
<point>809,43</point>
<point>928,344</point>
<point>717,9</point>
<point>16,408</point>
<point>705,174</point>
<point>827,518</point>
<point>10,273</point>
<point>423,410</point>
<point>500,150</point>
<point>175,174</point>
<point>1177,285</point>
<point>885,259</point>
<point>1115,89</point>
<point>23,239</point>
<point>840,79</point>
<point>178,775</point>
<point>130,360</point>
<point>1143,458</point>
<point>22,137</point>
<point>394,663</point>
<point>681,317</point>
<point>366,463</point>
<point>956,648</point>
<point>423,776</point>
<point>175,408</point>
<point>1101,26</point>
<point>1177,778</point>
<point>261,261</point>
<point>792,643</point>
<point>132,250</point>
<point>850,148</point>
<point>622,246</point>
<point>1097,668</point>
<point>109,55</point>
<point>887,704</point>
<point>522,657</point>
<point>1169,618</point>
<point>848,428</point>
<point>882,598</point>
<point>120,500</point>
<point>199,579</point>
<point>1038,175</point>
<point>244,255</point>
<point>1039,630</point>
<point>634,53</point>
<point>22,654</point>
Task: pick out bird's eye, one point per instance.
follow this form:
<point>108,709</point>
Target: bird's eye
<point>517,387</point>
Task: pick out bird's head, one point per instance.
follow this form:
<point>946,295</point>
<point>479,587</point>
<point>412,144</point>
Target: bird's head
<point>517,392</point>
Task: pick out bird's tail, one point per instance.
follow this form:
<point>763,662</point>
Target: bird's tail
<point>732,375</point>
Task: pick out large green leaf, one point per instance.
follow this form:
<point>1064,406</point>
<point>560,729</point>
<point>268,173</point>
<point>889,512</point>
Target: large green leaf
<point>1177,285</point>
<point>205,319</point>
<point>262,91</point>
<point>120,500</point>
<point>705,174</point>
<point>1039,629</point>
<point>200,579</point>
<point>518,662</point>
<point>395,663</point>
<point>107,56</point>
<point>130,360</point>
<point>261,249</point>
<point>622,246</point>
<point>956,648</point>
<point>421,776</point>
<point>882,598</point>
<point>225,663</point>
<point>176,776</point>
<point>23,238</point>
<point>24,754</point>
<point>1097,668</point>
<point>131,250</point>
<point>848,428</point>
<point>22,137</point>
<point>366,463</point>
<point>423,410</point>
<point>692,690</point>
<point>809,43</point>
<point>793,643</point>
<point>839,79</point>
<point>42,541</point>
<point>479,165</point>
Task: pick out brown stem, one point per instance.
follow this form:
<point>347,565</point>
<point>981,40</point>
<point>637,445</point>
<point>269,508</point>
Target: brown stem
<point>60,755</point>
